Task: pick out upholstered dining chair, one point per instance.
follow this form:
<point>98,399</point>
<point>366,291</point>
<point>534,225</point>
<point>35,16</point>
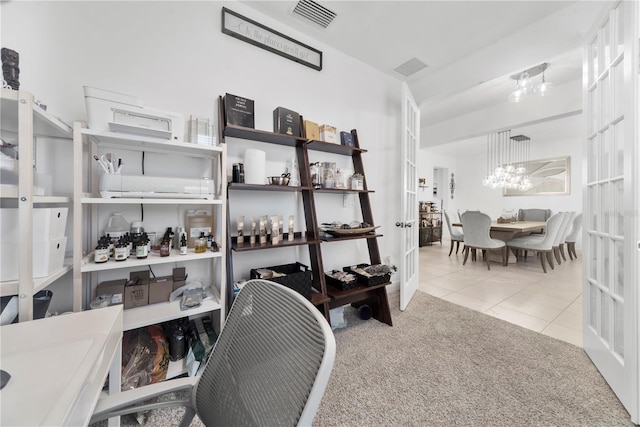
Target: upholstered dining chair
<point>477,227</point>
<point>270,366</point>
<point>573,236</point>
<point>542,245</point>
<point>456,236</point>
<point>562,235</point>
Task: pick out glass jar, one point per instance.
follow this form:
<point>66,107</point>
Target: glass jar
<point>315,175</point>
<point>328,174</point>
<point>357,181</point>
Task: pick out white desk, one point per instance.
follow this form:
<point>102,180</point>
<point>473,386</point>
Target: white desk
<point>58,366</point>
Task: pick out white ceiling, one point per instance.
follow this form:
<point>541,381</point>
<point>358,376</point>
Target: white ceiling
<point>471,47</point>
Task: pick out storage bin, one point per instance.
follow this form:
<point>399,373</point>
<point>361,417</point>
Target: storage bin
<point>48,257</point>
<point>368,281</point>
<point>297,277</point>
<point>340,284</point>
<point>48,224</point>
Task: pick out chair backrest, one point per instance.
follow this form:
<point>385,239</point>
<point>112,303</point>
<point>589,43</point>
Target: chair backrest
<point>552,228</point>
<point>534,214</point>
<point>575,229</point>
<point>565,220</point>
<point>448,221</point>
<point>271,362</point>
<point>567,226</point>
<point>477,228</point>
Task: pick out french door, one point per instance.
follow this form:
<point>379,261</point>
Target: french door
<point>611,246</point>
<point>409,222</point>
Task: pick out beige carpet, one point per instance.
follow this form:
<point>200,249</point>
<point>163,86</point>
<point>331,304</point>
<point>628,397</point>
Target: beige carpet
<point>445,365</point>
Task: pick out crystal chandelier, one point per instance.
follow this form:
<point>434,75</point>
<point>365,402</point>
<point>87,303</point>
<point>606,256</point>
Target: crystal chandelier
<point>507,161</point>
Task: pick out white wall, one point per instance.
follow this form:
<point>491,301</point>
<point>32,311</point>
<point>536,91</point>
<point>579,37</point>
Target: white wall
<point>174,56</point>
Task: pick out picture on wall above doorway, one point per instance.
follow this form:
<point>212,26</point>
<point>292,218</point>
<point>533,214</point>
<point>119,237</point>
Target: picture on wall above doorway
<point>549,177</point>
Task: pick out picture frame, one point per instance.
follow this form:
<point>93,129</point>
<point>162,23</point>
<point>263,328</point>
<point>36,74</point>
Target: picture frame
<point>252,32</point>
<point>549,177</point>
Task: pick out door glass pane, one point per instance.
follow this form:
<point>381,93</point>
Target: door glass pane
<point>618,215</point>
<point>605,153</point>
<point>593,306</point>
<point>604,316</point>
<point>618,274</point>
<point>593,258</point>
<point>594,61</point>
<point>593,110</point>
<point>617,82</point>
<point>592,160</point>
<point>594,204</point>
<point>619,28</point>
<point>606,262</point>
<point>605,99</point>
<point>618,148</point>
<point>604,207</point>
<point>606,44</point>
<point>618,327</point>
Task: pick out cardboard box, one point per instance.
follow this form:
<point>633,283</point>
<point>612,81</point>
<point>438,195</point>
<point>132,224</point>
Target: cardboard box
<point>160,289</point>
<point>114,288</point>
<point>328,134</point>
<point>179,277</point>
<point>311,130</point>
<point>136,291</point>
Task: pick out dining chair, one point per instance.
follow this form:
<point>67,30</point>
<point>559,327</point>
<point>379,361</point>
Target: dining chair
<point>543,245</point>
<point>270,366</point>
<point>564,232</point>
<point>573,236</point>
<point>477,228</point>
<point>456,236</point>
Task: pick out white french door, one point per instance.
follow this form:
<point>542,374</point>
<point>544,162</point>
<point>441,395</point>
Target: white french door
<point>611,298</point>
<point>409,211</point>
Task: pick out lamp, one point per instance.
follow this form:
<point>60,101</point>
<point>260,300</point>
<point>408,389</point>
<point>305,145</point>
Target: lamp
<point>525,85</point>
<point>508,161</point>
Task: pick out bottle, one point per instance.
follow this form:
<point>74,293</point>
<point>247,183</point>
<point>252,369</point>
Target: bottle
<point>120,252</point>
<point>294,174</point>
<point>165,246</point>
<point>199,221</point>
<point>209,241</point>
<point>102,251</point>
<point>117,226</point>
<point>142,247</point>
<point>136,232</point>
<point>201,244</point>
<point>183,244</point>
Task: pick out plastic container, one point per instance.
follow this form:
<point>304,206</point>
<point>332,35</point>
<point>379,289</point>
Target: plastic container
<point>117,226</point>
<point>199,221</point>
<point>48,257</point>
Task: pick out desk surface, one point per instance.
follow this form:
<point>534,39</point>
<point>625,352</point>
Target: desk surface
<point>58,366</point>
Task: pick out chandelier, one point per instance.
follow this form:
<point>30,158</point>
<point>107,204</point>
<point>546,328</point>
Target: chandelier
<point>507,161</point>
<point>525,84</point>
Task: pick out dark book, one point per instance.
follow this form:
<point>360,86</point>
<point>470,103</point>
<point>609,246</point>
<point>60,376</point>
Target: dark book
<point>346,138</point>
<point>238,111</point>
<point>286,121</point>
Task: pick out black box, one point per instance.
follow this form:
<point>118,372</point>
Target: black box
<point>298,277</point>
<point>340,284</point>
<point>368,281</point>
<point>286,121</point>
<point>238,111</point>
<point>346,138</point>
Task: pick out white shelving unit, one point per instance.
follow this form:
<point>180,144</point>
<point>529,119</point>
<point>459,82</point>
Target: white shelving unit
<point>89,206</point>
<point>22,123</point>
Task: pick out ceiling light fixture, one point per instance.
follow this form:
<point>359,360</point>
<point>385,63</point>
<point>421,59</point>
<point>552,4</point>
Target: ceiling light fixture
<point>525,84</point>
<point>508,161</point>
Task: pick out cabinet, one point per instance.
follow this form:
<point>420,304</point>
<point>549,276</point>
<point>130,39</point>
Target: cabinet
<point>174,159</point>
<point>430,227</point>
<point>324,296</point>
<point>25,125</point>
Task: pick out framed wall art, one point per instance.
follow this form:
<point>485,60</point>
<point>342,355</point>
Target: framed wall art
<point>549,177</point>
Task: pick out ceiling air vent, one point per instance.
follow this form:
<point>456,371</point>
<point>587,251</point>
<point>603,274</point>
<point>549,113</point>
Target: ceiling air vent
<point>410,67</point>
<point>314,12</point>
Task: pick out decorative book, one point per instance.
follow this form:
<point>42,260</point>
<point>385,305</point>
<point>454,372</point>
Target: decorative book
<point>311,130</point>
<point>328,134</point>
<point>239,111</point>
<point>346,138</point>
<point>286,121</point>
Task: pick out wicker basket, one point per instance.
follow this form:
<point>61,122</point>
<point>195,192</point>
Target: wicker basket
<point>368,281</point>
<point>340,284</point>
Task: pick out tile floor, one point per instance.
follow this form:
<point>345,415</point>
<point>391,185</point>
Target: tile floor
<point>520,293</point>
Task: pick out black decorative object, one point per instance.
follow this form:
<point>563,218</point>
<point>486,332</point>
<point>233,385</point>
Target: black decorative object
<point>252,32</point>
<point>286,121</point>
<point>452,185</point>
<point>239,111</point>
<point>10,69</point>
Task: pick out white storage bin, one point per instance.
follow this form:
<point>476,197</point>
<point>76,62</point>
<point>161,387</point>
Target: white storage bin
<point>100,102</point>
<point>48,257</point>
<point>48,224</point>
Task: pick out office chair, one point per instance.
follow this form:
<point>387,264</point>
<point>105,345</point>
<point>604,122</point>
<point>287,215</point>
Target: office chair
<point>270,366</point>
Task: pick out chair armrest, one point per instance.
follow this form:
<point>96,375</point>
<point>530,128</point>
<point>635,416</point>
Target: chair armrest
<point>108,404</point>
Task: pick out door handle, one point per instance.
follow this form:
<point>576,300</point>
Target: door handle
<point>403,224</point>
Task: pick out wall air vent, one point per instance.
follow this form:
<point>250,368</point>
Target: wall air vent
<point>314,12</point>
<point>410,67</point>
